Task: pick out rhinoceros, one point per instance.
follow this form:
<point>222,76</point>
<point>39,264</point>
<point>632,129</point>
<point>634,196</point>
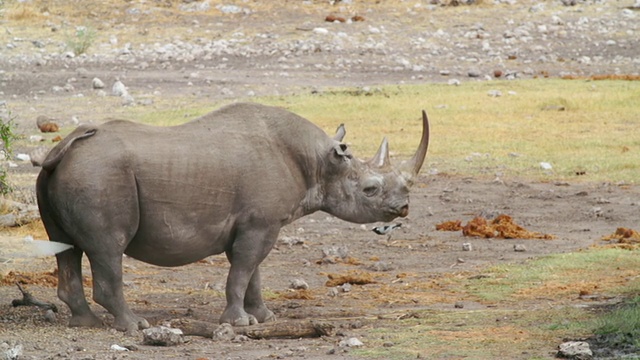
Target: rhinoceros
<point>226,182</point>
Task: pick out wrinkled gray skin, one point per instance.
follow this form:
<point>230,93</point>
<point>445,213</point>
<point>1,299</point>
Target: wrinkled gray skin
<point>225,182</point>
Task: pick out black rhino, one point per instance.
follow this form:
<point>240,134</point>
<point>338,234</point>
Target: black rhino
<point>225,182</point>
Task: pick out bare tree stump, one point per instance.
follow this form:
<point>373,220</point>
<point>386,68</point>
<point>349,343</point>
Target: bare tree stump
<point>273,330</point>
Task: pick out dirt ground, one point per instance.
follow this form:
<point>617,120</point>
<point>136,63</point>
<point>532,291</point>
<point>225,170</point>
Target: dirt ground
<point>576,214</point>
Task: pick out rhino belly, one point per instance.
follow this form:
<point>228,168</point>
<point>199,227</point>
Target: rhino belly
<point>178,240</point>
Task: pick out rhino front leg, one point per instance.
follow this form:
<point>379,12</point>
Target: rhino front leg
<point>244,300</point>
<point>107,291</point>
<point>70,289</point>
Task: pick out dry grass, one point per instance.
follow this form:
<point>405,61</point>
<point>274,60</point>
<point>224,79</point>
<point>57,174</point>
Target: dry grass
<point>510,291</point>
<point>508,136</point>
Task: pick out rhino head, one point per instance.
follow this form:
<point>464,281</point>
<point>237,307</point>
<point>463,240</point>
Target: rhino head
<point>373,190</point>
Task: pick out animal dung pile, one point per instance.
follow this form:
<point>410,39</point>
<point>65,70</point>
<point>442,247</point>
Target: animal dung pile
<point>453,225</point>
<point>502,227</point>
<point>47,278</point>
<point>624,236</point>
<point>351,277</point>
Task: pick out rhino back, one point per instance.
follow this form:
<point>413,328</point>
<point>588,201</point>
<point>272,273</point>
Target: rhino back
<point>195,183</point>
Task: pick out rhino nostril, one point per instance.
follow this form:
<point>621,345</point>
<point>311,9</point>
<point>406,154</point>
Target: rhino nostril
<point>404,211</point>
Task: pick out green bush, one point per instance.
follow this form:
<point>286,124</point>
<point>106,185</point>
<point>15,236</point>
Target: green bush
<point>6,137</point>
<point>82,40</point>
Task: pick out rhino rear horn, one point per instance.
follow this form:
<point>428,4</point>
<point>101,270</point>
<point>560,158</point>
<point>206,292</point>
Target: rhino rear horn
<point>413,165</point>
<point>381,158</point>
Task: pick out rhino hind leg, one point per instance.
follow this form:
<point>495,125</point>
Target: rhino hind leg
<point>71,292</point>
<point>106,268</point>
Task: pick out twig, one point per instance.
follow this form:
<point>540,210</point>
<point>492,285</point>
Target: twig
<point>29,300</point>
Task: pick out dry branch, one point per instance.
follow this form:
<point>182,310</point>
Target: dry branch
<point>29,300</point>
<point>273,330</point>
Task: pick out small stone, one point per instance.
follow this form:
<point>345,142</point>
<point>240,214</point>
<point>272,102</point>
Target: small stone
<point>466,247</point>
<point>162,336</point>
<point>454,82</point>
<point>494,93</point>
<point>474,73</point>
<point>118,89</point>
<point>545,166</point>
<point>380,266</point>
<point>23,157</point>
<point>11,350</point>
<point>224,332</point>
<point>298,284</point>
<point>291,240</point>
<point>50,316</point>
<point>575,350</point>
<point>459,305</point>
<point>116,347</point>
<point>350,342</point>
<point>97,83</point>
<point>128,100</point>
<point>346,287</point>
<point>519,248</point>
<point>333,292</point>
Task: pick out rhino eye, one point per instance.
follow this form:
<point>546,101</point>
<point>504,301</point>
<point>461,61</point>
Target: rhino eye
<point>370,190</point>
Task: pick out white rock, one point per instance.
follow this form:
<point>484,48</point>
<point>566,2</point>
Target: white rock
<point>320,30</point>
<point>10,351</point>
<point>298,284</point>
<point>97,83</point>
<point>545,166</point>
<point>118,89</point>
<point>23,157</point>
<point>350,342</point>
<point>575,350</point>
<point>128,100</point>
<point>162,336</point>
<point>117,347</point>
<point>224,332</point>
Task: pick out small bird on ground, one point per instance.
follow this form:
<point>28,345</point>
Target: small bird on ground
<point>386,229</point>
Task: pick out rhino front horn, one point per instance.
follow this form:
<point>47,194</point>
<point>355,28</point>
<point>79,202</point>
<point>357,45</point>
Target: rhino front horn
<point>413,165</point>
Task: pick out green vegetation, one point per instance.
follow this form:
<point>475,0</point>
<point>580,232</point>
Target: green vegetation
<point>622,324</point>
<point>82,40</point>
<point>510,327</point>
<point>7,137</point>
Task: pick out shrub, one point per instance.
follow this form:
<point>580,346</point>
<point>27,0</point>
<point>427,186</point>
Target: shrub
<point>6,137</point>
<point>82,41</point>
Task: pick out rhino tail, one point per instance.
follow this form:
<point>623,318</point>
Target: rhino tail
<point>57,153</point>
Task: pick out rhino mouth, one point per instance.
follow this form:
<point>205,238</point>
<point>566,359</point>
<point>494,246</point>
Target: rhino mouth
<point>401,211</point>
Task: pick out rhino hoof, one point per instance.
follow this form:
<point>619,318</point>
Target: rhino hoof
<point>245,321</point>
<point>86,321</point>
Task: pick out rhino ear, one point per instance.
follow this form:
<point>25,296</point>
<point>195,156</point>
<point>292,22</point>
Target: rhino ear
<point>341,151</point>
<point>340,133</point>
<point>381,158</point>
